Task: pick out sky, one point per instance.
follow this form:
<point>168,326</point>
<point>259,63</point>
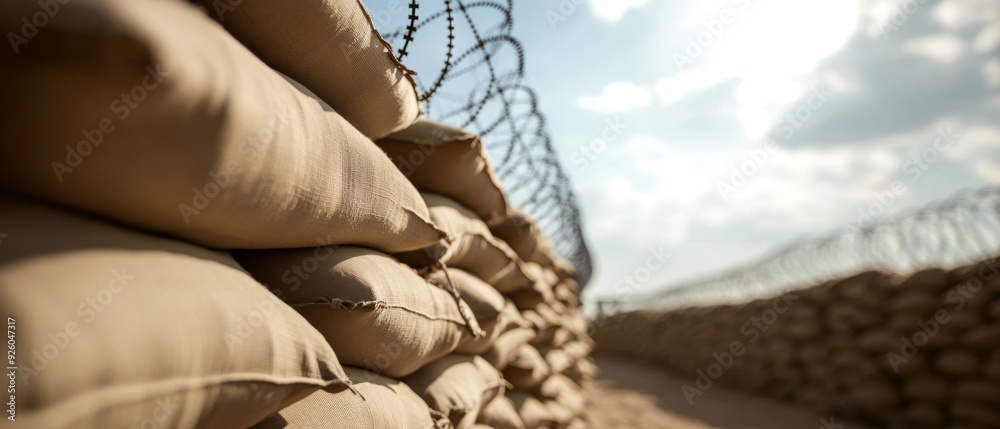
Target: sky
<point>700,135</point>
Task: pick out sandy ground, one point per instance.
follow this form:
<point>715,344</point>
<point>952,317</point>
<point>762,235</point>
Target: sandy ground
<point>634,395</point>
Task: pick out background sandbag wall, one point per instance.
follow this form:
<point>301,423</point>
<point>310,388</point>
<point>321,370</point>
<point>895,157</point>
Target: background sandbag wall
<point>351,292</point>
<point>905,351</point>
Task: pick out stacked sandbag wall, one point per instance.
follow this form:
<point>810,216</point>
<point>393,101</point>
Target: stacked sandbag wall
<point>255,228</point>
<point>914,351</point>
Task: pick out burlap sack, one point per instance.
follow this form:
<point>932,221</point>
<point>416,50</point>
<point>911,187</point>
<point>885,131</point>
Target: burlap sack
<point>185,132</point>
<point>459,386</point>
<point>533,411</point>
<point>566,295</point>
<point>983,337</point>
<point>445,160</point>
<point>975,413</point>
<point>500,414</point>
<point>540,289</point>
<point>957,362</point>
<point>522,234</point>
<point>559,413</point>
<point>379,402</point>
<point>563,269</point>
<point>473,247</point>
<point>486,303</point>
<point>333,48</point>
<point>377,313</point>
<point>116,328</point>
<point>928,387</point>
<point>978,391</point>
<point>922,414</point>
<point>582,371</point>
<point>505,348</point>
<point>527,369</point>
<point>873,396</point>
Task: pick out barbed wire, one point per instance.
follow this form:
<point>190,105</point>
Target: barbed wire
<point>480,87</point>
<point>958,230</point>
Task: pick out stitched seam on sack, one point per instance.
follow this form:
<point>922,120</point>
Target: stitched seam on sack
<point>371,306</point>
<point>122,394</point>
<point>406,70</point>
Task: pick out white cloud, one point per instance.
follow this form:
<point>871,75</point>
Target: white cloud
<point>943,47</point>
<point>958,13</point>
<point>991,72</point>
<point>673,88</point>
<point>988,39</point>
<point>613,10</point>
<point>617,97</point>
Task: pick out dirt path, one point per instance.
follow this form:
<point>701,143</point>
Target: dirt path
<point>636,395</point>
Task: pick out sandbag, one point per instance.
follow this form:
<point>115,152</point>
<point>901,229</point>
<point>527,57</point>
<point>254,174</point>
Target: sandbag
<point>521,233</point>
<point>473,248</point>
<point>115,327</point>
<point>494,313</point>
<point>505,347</point>
<point>500,414</point>
<point>187,133</point>
<point>379,402</point>
<point>459,386</point>
<point>534,413</point>
<point>449,161</point>
<point>376,312</point>
<point>527,369</point>
<point>540,289</point>
<point>333,48</point>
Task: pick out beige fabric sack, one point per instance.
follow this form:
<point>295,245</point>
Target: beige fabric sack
<point>522,234</point>
<point>534,413</point>
<point>380,402</point>
<point>527,369</point>
<point>583,371</point>
<point>553,386</point>
<point>473,249</point>
<point>505,348</point>
<point>333,48</point>
<point>459,386</point>
<point>185,132</point>
<point>377,313</point>
<point>115,328</point>
<point>449,161</point>
<point>500,414</point>
<point>559,413</point>
<point>494,314</point>
<point>540,290</point>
